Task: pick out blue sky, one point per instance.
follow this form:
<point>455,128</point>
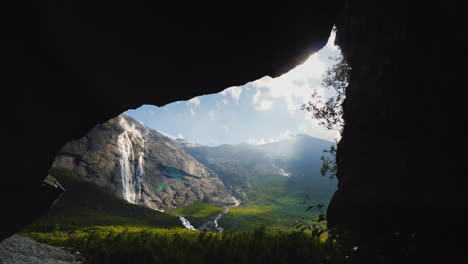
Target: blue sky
<point>259,112</point>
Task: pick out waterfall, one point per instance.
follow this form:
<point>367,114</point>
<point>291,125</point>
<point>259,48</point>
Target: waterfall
<point>186,223</point>
<point>126,153</point>
<point>131,173</point>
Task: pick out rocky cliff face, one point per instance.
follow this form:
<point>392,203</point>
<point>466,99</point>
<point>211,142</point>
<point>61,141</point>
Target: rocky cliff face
<point>142,166</point>
<point>397,170</point>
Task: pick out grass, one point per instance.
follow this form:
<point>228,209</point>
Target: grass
<point>85,204</point>
<point>116,244</point>
<point>198,213</point>
<point>274,202</point>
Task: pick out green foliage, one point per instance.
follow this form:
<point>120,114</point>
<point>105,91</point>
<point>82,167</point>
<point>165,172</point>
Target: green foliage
<point>329,163</point>
<point>274,202</point>
<point>114,244</point>
<point>319,227</point>
<point>330,112</point>
<point>198,213</point>
<point>85,204</point>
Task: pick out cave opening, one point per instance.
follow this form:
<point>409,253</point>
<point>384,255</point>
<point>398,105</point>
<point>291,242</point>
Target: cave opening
<point>243,159</point>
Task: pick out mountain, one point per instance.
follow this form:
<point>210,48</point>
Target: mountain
<point>141,166</point>
<point>272,180</point>
<point>238,166</point>
<point>145,167</point>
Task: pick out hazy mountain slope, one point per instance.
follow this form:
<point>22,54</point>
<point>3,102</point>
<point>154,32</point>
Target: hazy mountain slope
<point>239,165</point>
<point>236,165</point>
<point>141,166</point>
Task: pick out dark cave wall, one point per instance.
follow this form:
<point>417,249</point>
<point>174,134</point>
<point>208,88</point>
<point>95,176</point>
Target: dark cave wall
<point>71,65</point>
<point>400,168</point>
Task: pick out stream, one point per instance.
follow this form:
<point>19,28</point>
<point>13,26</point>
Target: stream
<point>213,222</point>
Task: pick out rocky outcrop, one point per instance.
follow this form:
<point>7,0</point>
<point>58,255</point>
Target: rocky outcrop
<point>19,249</point>
<point>141,166</point>
<point>398,167</point>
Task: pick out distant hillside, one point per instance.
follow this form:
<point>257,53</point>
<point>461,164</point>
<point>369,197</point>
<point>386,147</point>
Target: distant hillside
<point>239,165</point>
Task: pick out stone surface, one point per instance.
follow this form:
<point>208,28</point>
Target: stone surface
<point>20,250</point>
<point>399,162</point>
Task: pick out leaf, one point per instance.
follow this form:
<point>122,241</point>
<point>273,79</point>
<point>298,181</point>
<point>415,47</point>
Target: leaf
<point>321,218</point>
<point>315,232</point>
<point>319,233</point>
<point>310,207</point>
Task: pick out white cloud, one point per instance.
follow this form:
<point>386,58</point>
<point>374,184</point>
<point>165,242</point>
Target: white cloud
<point>282,136</point>
<point>212,114</point>
<point>257,96</point>
<point>310,126</point>
<point>264,105</point>
<point>331,41</point>
<point>226,128</point>
<point>260,103</point>
<point>260,141</point>
<point>234,92</point>
<point>213,141</point>
<point>256,141</point>
<point>225,101</point>
<point>179,135</point>
<point>192,112</point>
<point>296,86</point>
<point>195,101</point>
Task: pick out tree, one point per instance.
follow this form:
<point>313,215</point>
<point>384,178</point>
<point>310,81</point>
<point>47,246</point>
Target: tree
<point>330,112</point>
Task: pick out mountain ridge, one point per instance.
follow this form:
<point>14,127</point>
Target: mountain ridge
<point>141,166</point>
<point>145,166</point>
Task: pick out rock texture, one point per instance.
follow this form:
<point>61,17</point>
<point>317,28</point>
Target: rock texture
<point>398,167</point>
<point>72,66</point>
<point>141,166</point>
<point>19,250</point>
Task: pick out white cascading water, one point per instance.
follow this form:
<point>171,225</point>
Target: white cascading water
<point>132,176</point>
<point>186,223</point>
<point>215,220</point>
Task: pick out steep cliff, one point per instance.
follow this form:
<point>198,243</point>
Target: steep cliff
<point>142,166</point>
<point>398,170</point>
